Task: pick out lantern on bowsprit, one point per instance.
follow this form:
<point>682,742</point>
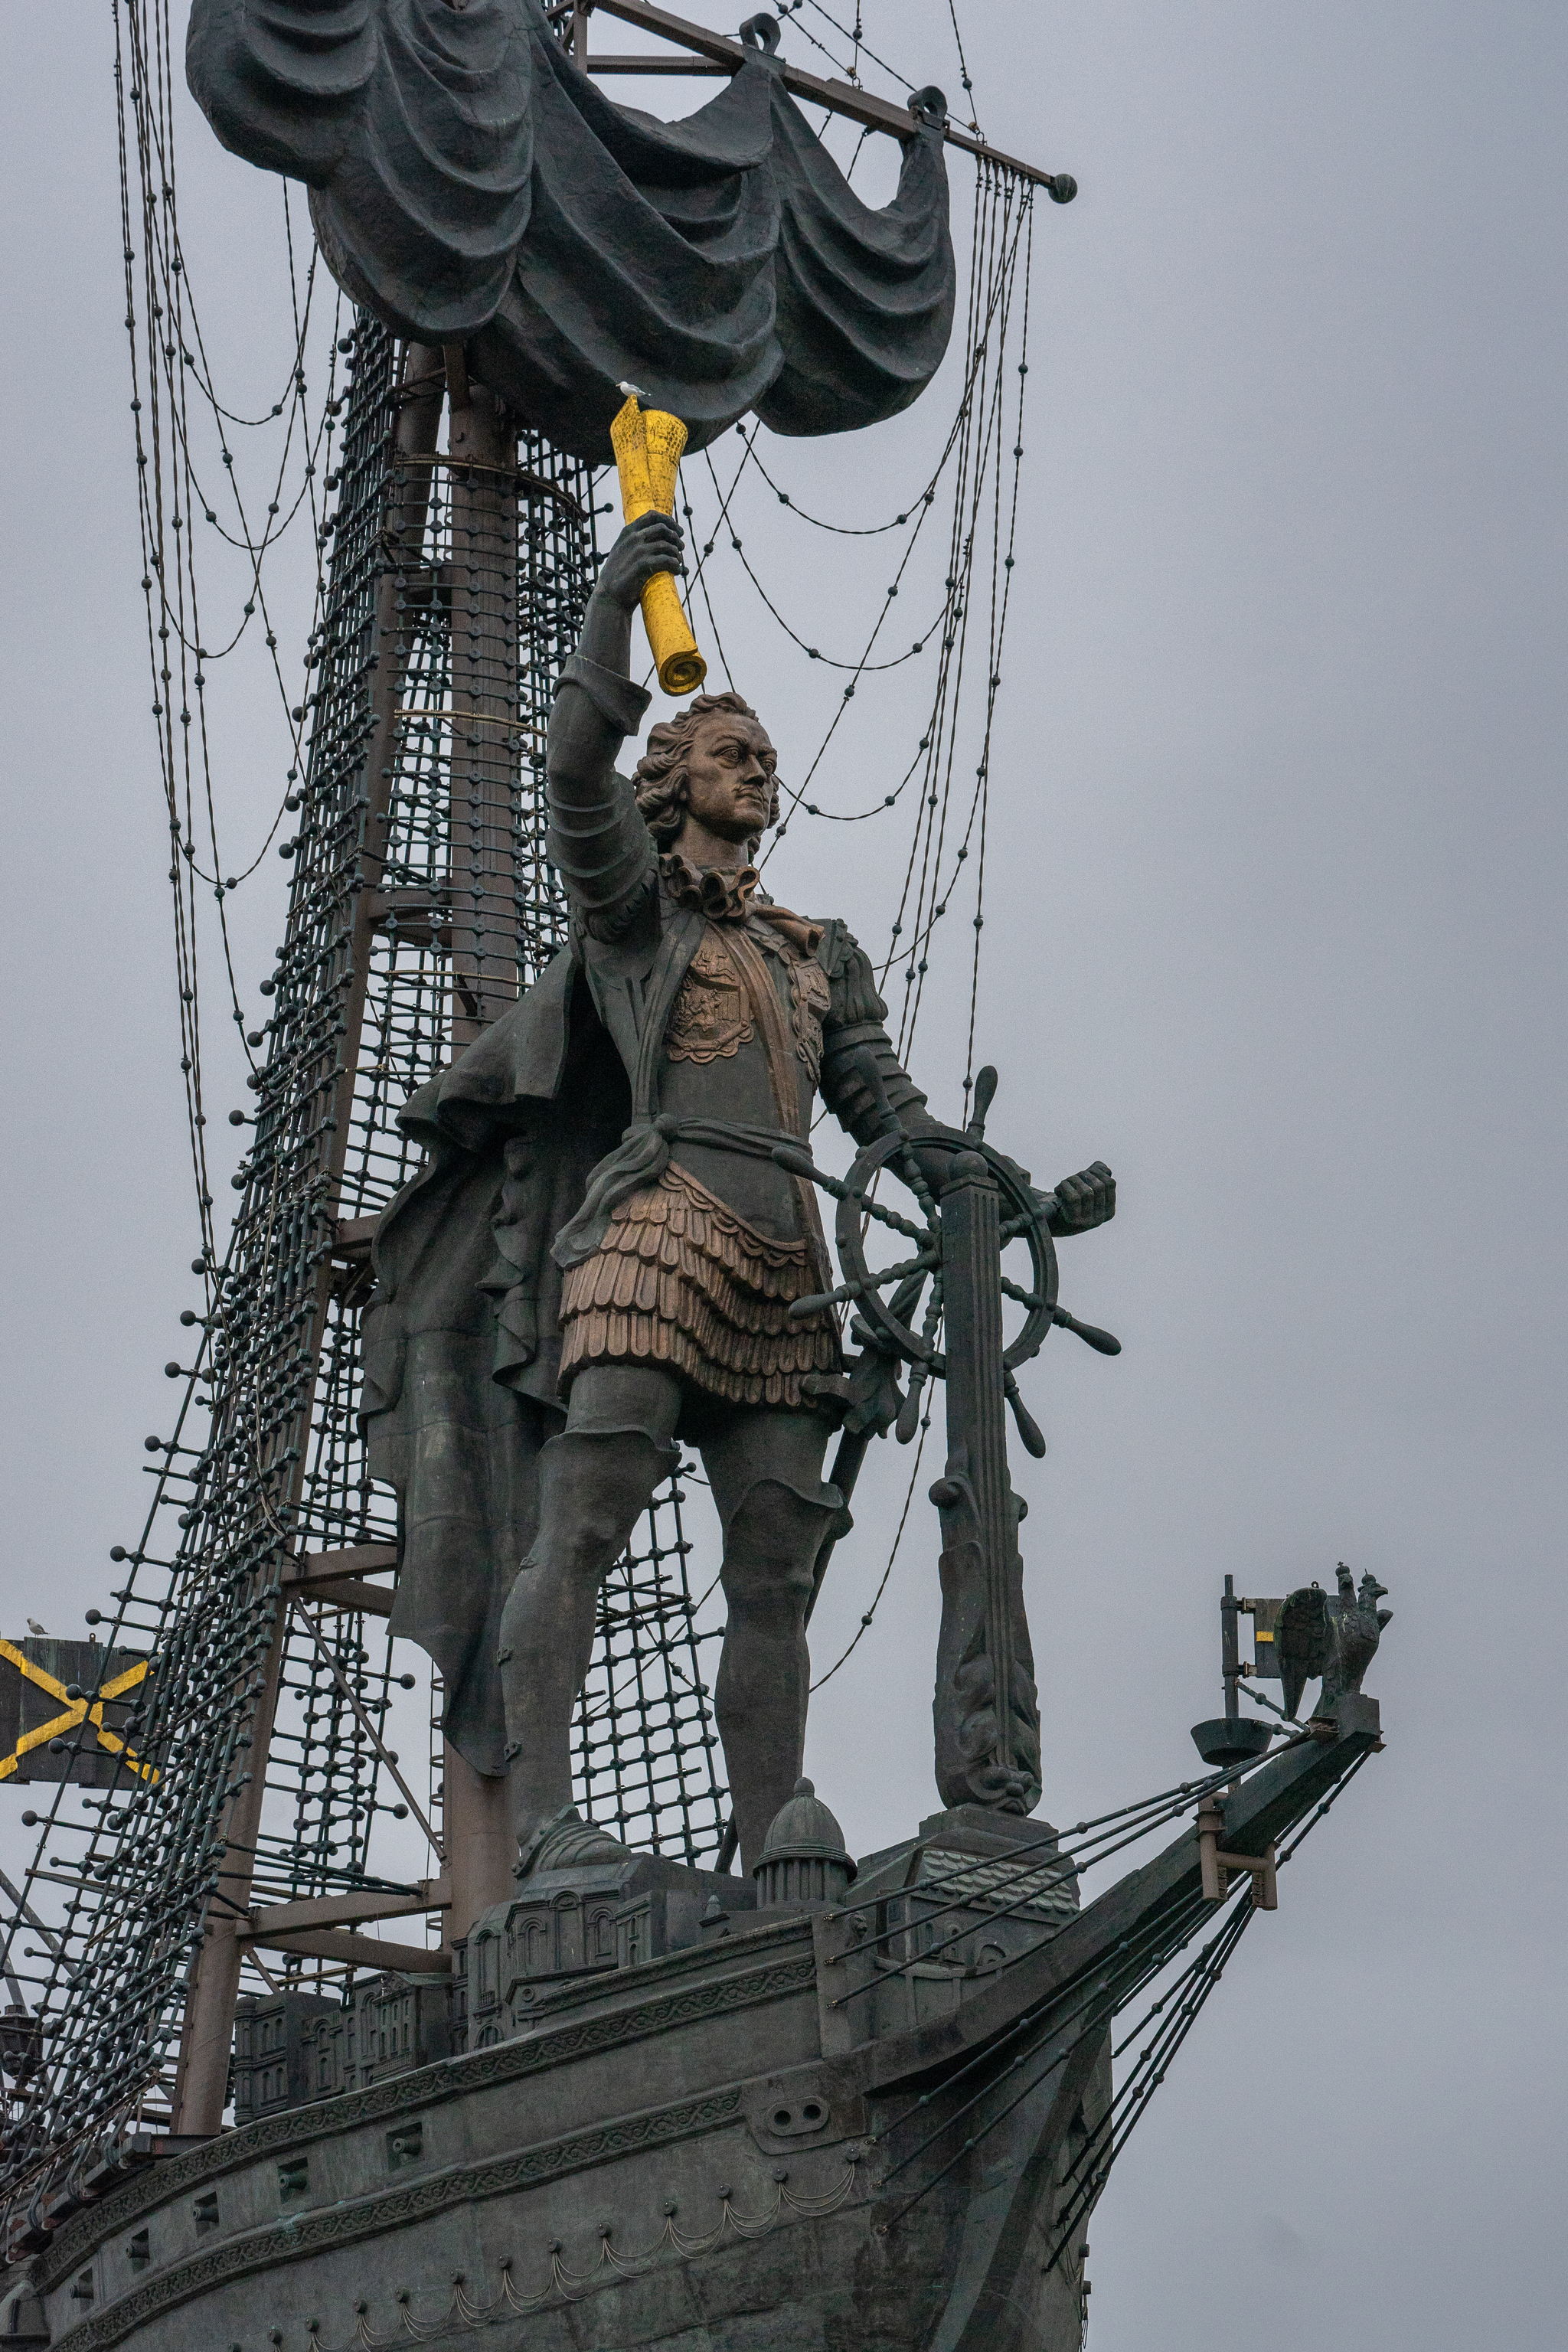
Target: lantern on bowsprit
<point>1307,1634</point>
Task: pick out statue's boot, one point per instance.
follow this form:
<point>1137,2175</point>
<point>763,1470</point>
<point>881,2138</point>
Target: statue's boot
<point>772,1540</point>
<point>593,1487</point>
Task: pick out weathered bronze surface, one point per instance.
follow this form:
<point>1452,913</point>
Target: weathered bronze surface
<point>1331,1635</point>
<point>617,1193</point>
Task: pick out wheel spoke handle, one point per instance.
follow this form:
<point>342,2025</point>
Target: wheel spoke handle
<point>909,1419</point>
<point>1028,1428</point>
<point>801,1163</point>
<point>847,1290</point>
<point>1106,1343</point>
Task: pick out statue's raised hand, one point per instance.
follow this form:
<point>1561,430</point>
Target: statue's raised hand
<point>652,544</point>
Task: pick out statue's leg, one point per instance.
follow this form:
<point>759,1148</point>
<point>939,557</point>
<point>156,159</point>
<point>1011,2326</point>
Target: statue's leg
<point>593,1480</point>
<point>765,1470</point>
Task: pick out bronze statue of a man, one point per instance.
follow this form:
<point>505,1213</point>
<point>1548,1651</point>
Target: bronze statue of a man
<point>599,1256</point>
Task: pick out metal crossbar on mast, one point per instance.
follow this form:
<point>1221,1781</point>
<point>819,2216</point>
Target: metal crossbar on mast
<point>718,52</point>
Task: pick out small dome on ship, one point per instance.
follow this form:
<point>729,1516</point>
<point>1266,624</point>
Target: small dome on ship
<point>803,1858</point>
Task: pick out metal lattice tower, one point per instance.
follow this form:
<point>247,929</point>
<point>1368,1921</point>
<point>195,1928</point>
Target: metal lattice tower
<point>262,1754</point>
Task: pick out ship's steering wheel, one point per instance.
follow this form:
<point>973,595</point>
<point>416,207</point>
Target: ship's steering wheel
<point>906,1324</point>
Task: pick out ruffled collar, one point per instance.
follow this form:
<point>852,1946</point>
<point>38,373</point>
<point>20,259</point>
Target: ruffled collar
<point>722,893</point>
<point>726,895</point>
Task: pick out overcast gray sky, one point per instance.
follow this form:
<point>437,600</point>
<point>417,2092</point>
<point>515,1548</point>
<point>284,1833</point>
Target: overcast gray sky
<point>1274,905</point>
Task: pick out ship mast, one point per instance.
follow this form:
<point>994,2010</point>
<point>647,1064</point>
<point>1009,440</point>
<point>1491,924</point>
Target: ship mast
<point>418,715</point>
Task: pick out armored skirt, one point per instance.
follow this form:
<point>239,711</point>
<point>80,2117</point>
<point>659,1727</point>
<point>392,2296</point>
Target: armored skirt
<point>683,1283</point>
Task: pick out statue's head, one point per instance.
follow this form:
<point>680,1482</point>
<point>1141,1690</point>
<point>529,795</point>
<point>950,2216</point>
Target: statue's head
<point>714,763</point>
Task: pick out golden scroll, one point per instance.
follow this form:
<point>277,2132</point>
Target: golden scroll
<point>648,444</point>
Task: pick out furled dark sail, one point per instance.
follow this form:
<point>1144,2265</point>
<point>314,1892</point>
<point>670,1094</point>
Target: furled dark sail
<point>469,184</point>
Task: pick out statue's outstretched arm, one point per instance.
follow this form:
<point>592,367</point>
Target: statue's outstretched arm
<point>855,1041</point>
<point>597,842</point>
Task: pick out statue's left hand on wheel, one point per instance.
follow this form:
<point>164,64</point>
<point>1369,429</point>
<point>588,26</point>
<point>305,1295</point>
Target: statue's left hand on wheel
<point>1080,1202</point>
<point>1076,1204</point>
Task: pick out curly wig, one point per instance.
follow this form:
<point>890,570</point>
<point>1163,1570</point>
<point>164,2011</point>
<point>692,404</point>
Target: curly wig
<point>660,776</point>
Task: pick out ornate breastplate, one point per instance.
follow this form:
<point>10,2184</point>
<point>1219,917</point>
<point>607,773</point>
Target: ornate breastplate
<point>711,1018</point>
<point>810,997</point>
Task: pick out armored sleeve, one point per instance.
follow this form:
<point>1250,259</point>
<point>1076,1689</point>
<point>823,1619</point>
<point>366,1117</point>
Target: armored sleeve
<point>596,839</point>
<point>853,1025</point>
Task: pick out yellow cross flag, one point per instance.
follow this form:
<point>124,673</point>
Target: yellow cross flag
<point>76,1711</point>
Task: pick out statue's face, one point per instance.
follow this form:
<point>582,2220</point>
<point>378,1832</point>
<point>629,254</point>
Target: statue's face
<point>730,776</point>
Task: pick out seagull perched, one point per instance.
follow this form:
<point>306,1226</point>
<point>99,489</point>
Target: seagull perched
<point>34,1627</point>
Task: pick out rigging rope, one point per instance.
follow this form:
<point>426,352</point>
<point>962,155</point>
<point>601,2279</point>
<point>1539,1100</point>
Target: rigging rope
<point>162,324</point>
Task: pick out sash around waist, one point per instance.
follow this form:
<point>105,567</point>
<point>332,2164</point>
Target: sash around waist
<point>641,1157</point>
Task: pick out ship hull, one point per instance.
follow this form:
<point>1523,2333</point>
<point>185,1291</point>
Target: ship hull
<point>626,2176</point>
<point>878,2126</point>
<point>684,2153</point>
